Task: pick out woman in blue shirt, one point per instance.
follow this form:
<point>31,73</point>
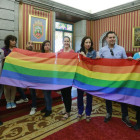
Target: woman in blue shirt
<point>87,51</point>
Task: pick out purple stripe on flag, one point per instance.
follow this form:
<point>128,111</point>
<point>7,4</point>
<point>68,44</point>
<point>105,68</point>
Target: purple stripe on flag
<point>116,97</point>
<point>23,84</point>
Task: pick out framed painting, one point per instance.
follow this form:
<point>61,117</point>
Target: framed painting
<point>37,29</point>
<point>136,37</point>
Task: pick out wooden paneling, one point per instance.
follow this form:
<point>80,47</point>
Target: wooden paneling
<point>66,17</point>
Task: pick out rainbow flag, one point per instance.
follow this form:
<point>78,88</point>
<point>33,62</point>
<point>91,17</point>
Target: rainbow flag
<point>112,79</point>
<point>24,68</point>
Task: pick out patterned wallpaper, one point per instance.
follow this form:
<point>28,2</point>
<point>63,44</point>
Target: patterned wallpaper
<point>122,25</point>
<point>25,10</point>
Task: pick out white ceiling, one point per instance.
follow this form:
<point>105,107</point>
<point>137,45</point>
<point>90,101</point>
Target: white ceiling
<point>93,6</point>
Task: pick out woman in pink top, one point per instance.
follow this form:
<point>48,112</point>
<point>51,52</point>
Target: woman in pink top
<point>66,92</point>
<point>66,44</point>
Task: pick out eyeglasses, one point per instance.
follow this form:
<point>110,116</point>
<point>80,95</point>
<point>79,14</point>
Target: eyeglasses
<point>112,53</point>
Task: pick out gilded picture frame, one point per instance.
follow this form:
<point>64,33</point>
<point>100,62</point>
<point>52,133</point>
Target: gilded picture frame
<point>37,29</point>
<point>136,37</point>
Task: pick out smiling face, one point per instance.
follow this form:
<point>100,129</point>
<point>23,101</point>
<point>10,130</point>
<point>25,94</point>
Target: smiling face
<point>87,44</point>
<point>111,39</point>
<point>66,42</point>
<point>47,46</point>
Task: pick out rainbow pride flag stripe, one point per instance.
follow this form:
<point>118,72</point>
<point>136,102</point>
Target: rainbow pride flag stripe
<point>112,79</point>
<point>24,68</point>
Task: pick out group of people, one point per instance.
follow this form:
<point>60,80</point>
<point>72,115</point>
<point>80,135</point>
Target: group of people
<point>111,51</point>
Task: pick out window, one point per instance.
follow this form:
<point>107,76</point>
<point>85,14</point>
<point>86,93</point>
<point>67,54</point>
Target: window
<point>62,29</point>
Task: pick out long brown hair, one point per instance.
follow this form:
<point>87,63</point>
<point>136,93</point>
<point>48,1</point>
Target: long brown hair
<point>82,45</point>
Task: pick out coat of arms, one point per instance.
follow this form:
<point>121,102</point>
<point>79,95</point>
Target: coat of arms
<point>38,29</point>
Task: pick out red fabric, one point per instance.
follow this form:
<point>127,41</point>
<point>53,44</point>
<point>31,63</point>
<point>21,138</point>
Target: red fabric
<point>129,54</point>
<point>39,94</point>
<point>96,130</point>
<point>71,51</point>
<point>42,55</point>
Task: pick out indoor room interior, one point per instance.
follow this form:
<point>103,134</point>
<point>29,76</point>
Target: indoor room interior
<point>53,20</point>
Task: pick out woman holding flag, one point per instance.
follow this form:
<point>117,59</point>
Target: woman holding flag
<point>10,91</point>
<point>66,92</point>
<point>87,51</point>
<point>46,45</point>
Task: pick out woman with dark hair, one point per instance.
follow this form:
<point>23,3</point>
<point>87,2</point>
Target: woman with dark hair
<point>46,45</point>
<point>87,51</point>
<point>66,92</point>
<point>10,43</point>
<point>10,91</point>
